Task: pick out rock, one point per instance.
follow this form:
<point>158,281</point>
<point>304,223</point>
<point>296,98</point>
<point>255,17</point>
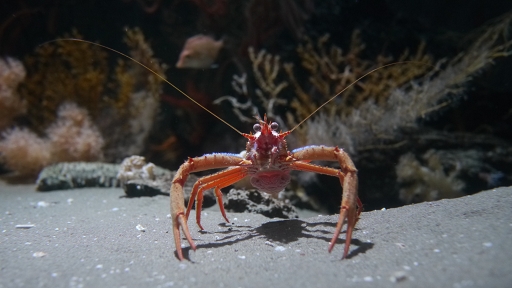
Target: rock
<point>138,179</point>
<point>71,175</point>
<point>256,202</point>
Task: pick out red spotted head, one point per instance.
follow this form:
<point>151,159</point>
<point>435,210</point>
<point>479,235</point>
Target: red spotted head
<point>267,151</point>
<point>266,140</point>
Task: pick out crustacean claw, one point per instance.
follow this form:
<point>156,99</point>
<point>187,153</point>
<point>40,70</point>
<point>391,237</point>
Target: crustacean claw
<point>351,206</point>
<point>351,214</point>
<point>217,181</point>
<point>181,221</point>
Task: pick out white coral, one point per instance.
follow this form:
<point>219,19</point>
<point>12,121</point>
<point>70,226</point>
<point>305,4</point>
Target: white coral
<point>135,167</point>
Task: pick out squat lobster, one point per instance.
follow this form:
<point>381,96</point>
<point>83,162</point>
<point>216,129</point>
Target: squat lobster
<point>268,164</point>
<point>267,161</point>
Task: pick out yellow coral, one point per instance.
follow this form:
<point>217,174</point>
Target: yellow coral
<point>142,52</point>
<point>377,108</point>
<point>75,71</point>
<point>331,71</point>
<point>63,71</point>
<point>131,76</point>
<point>137,99</point>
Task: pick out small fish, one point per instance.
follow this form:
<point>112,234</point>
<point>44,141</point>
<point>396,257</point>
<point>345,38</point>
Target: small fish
<point>199,52</point>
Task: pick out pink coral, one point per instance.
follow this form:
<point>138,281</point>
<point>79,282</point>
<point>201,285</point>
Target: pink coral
<point>73,137</point>
<point>23,151</point>
<point>12,73</point>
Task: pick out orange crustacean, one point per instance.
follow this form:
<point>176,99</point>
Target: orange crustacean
<point>267,162</point>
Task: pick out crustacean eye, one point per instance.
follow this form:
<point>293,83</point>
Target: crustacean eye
<point>274,126</point>
<point>256,127</point>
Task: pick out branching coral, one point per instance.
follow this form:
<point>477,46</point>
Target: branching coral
<point>239,84</point>
<point>375,121</point>
<point>379,107</point>
<point>266,69</point>
<point>12,73</point>
<point>330,71</point>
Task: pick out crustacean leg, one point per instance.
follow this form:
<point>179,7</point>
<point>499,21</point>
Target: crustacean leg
<point>179,218</point>
<point>351,206</point>
<point>218,181</point>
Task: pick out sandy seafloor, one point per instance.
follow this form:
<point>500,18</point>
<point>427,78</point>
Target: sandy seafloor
<point>88,238</point>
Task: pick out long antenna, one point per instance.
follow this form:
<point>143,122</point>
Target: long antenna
<point>352,84</point>
<point>150,70</point>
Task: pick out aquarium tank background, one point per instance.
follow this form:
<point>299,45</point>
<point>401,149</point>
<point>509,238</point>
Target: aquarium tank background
<point>435,127</point>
